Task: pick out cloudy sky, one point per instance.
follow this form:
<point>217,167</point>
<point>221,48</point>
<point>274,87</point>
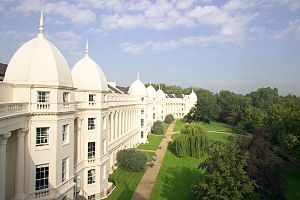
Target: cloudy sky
<point>237,45</point>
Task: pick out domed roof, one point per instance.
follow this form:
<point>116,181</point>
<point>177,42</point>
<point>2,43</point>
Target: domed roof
<point>151,92</point>
<point>193,95</point>
<point>137,88</point>
<point>38,62</point>
<point>160,93</point>
<point>87,74</point>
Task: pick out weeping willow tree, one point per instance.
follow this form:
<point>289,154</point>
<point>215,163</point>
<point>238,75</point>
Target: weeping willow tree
<point>190,142</point>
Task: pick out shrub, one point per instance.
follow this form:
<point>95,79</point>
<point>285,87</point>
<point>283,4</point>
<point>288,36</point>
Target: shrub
<point>112,180</point>
<point>158,128</point>
<point>169,119</point>
<point>190,142</point>
<point>131,160</point>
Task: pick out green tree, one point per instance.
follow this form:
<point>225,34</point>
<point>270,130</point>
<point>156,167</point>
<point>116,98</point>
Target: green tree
<point>190,142</point>
<point>169,119</point>
<point>225,176</point>
<point>158,128</point>
<point>253,119</point>
<point>264,98</point>
<point>132,160</point>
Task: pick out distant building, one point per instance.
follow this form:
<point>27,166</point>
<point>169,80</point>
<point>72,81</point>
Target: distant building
<point>60,130</point>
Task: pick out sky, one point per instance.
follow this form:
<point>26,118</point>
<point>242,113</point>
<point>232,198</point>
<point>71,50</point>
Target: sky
<point>236,45</point>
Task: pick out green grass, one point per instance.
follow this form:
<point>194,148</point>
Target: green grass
<point>177,175</point>
<point>126,183</point>
<point>292,178</point>
<point>154,142</point>
<point>179,124</point>
<point>166,126</point>
<point>216,126</point>
<point>149,155</point>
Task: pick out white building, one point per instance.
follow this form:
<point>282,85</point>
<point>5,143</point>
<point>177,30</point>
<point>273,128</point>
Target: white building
<point>60,130</point>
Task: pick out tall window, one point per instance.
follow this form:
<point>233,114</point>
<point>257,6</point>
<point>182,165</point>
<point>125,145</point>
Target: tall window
<point>153,115</point>
<point>92,99</point>
<point>91,176</point>
<point>142,111</point>
<point>41,176</point>
<point>142,122</point>
<point>92,197</point>
<point>91,150</point>
<point>64,169</point>
<point>66,97</point>
<point>43,96</point>
<point>42,136</point>
<point>65,133</point>
<point>142,134</point>
<point>91,123</point>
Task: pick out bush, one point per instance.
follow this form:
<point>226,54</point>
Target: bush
<point>132,160</point>
<point>169,119</point>
<point>112,180</point>
<point>190,142</point>
<point>158,128</point>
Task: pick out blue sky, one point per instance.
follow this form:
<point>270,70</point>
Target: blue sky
<point>237,45</point>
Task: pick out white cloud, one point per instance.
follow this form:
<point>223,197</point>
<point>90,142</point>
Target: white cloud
<point>293,29</point>
<point>67,40</point>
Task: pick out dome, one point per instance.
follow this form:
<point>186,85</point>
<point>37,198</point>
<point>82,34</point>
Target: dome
<point>137,88</point>
<point>193,95</point>
<point>87,74</point>
<point>151,92</point>
<point>161,94</point>
<point>38,62</point>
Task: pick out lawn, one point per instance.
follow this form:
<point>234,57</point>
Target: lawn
<point>216,126</point>
<point>177,175</point>
<point>292,178</point>
<point>126,183</point>
<point>154,142</point>
<point>166,126</point>
<point>179,124</point>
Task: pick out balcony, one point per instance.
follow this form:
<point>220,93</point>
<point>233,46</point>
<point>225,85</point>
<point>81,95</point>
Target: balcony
<point>13,109</point>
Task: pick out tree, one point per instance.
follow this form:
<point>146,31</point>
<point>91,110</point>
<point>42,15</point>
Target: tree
<point>225,176</point>
<point>158,128</point>
<point>264,167</point>
<point>190,142</point>
<point>253,119</point>
<point>132,160</point>
<point>169,119</point>
<point>264,98</point>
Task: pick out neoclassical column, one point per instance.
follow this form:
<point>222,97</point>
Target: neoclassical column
<point>116,125</point>
<point>20,165</point>
<point>3,142</point>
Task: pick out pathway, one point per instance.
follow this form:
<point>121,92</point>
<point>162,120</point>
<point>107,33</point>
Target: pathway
<point>145,187</point>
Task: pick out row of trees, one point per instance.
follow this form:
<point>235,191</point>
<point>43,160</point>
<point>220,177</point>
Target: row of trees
<point>264,109</point>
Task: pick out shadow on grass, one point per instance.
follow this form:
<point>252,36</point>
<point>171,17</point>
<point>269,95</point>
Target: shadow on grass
<point>178,182</point>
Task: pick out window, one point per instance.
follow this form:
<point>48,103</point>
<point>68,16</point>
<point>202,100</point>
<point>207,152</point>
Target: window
<point>42,136</point>
<point>41,176</point>
<point>142,111</point>
<point>91,176</point>
<point>104,172</point>
<point>91,150</point>
<point>92,197</point>
<point>153,108</point>
<point>142,134</point>
<point>91,123</point>
<point>66,97</point>
<point>43,96</point>
<point>65,133</point>
<point>142,122</point>
<point>64,169</point>
<point>92,99</point>
<point>153,115</point>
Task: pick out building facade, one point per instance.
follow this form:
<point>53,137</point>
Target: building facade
<point>60,130</point>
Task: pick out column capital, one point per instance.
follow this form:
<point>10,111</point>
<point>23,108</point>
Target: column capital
<point>4,138</point>
<point>22,131</point>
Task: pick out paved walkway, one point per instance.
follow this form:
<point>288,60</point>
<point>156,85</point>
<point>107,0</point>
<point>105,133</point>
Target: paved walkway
<point>145,187</point>
<point>147,150</point>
